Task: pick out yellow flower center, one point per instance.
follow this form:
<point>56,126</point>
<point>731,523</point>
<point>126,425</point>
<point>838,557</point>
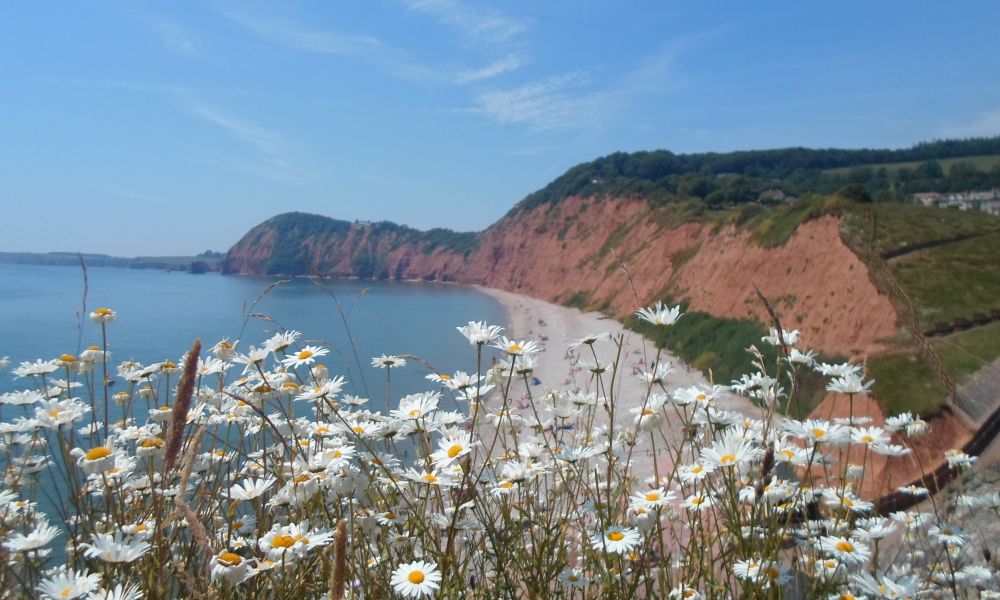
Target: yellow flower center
<point>700,397</point>
<point>572,578</point>
<point>301,479</point>
<point>845,546</point>
<point>507,484</point>
<point>66,592</point>
<point>697,500</point>
<point>67,358</point>
<point>847,502</point>
<point>305,354</point>
<point>415,412</point>
<point>817,432</point>
<point>169,364</point>
<point>454,450</point>
<point>230,559</point>
<point>55,413</point>
<point>514,348</point>
<point>282,541</point>
<point>697,469</point>
<point>390,516</point>
<point>151,443</point>
<point>429,478</point>
<point>648,411</point>
<point>98,453</point>
<point>103,311</point>
<point>164,408</point>
<point>140,527</point>
<point>616,536</point>
<point>93,348</point>
<point>358,429</point>
<point>290,385</point>
<point>445,377</point>
<point>416,577</point>
<point>728,459</point>
<point>652,497</point>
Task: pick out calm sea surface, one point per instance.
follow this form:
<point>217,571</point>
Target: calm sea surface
<point>160,314</point>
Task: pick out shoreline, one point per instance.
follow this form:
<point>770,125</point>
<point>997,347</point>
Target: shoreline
<point>555,327</point>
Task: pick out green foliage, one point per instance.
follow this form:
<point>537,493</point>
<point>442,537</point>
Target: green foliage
<point>775,226</point>
<point>677,259</point>
<point>900,226</point>
<point>579,300</point>
<point>966,352</point>
<point>297,232</point>
<point>982,163</point>
<point>952,281</point>
<point>734,178</point>
<point>614,240</point>
<point>905,381</point>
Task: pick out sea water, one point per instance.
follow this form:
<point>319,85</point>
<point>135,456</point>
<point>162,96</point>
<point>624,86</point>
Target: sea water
<point>44,312</point>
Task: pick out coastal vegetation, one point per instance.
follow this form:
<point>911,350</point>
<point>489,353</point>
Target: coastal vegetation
<point>734,178</point>
<point>248,471</point>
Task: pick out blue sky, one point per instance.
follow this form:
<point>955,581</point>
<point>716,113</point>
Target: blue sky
<point>173,127</point>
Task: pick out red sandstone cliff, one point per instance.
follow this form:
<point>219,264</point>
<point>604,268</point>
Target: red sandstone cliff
<point>576,249</point>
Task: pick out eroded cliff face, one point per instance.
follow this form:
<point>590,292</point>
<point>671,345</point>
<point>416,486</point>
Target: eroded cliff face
<point>617,254</point>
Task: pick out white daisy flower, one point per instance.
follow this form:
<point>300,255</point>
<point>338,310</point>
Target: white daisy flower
<point>41,535</point>
<point>232,568</point>
<point>478,332</point>
<point>291,541</point>
<point>103,315</point>
<point>515,347</point>
<point>305,356</point>
<point>114,548</point>
<point>119,592</point>
<point>660,314</point>
<point>65,584</point>
<point>386,361</point>
<point>616,539</point>
<point>850,551</point>
<point>250,488</point>
<point>416,579</point>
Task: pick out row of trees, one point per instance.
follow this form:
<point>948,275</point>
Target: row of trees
<point>739,177</point>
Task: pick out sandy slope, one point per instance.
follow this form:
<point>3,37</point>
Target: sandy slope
<point>533,319</point>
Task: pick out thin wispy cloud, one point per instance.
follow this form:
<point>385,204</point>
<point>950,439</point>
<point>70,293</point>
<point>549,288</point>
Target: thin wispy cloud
<point>559,103</point>
<point>295,35</point>
<point>175,37</point>
<point>506,64</point>
<point>984,124</point>
<point>395,61</point>
<point>481,26</point>
<point>274,155</point>
<point>580,101</point>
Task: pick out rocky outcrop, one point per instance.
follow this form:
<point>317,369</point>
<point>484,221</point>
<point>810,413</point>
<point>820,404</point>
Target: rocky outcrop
<point>613,253</point>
